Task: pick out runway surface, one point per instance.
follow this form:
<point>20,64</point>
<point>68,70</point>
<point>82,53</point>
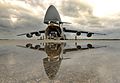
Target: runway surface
<point>69,61</point>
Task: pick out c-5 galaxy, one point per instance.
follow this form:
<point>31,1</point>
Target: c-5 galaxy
<point>55,30</point>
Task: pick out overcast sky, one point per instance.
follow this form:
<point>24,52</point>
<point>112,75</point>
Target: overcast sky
<point>21,16</point>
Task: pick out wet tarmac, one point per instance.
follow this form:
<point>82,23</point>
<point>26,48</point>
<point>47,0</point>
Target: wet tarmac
<point>36,61</point>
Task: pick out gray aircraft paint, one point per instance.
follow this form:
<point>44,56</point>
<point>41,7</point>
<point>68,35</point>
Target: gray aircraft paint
<point>52,15</point>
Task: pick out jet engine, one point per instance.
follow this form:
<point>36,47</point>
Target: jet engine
<point>89,34</point>
<point>37,34</point>
<point>78,33</point>
<point>78,47</point>
<point>37,46</point>
<point>29,45</point>
<point>29,35</point>
<point>89,46</point>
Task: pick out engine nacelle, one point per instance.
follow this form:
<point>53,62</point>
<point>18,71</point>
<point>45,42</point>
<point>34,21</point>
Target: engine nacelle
<point>89,34</point>
<point>29,45</point>
<point>37,34</point>
<point>78,33</point>
<point>37,46</point>
<point>89,46</point>
<point>78,47</point>
<point>29,35</point>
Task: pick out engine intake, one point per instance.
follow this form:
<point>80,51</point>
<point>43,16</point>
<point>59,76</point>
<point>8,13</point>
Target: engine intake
<point>89,34</point>
<point>37,34</point>
<point>37,46</point>
<point>29,45</point>
<point>78,33</point>
<point>89,46</point>
<point>29,35</point>
<point>78,47</point>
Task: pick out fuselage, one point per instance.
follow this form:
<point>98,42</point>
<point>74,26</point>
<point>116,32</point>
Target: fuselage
<point>54,31</point>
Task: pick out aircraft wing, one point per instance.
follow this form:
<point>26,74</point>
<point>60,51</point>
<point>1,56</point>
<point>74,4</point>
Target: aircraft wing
<point>74,49</point>
<point>78,48</point>
<point>30,46</point>
<point>29,35</point>
<point>78,33</point>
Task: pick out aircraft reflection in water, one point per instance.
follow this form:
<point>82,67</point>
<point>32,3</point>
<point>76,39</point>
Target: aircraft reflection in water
<point>55,53</point>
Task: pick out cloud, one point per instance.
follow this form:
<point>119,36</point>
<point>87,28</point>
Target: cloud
<point>26,20</point>
<point>29,15</point>
<point>81,13</point>
<point>75,8</point>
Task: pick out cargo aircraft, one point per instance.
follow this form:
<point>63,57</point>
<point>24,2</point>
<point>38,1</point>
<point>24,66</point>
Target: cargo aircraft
<point>55,54</point>
<point>55,30</point>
